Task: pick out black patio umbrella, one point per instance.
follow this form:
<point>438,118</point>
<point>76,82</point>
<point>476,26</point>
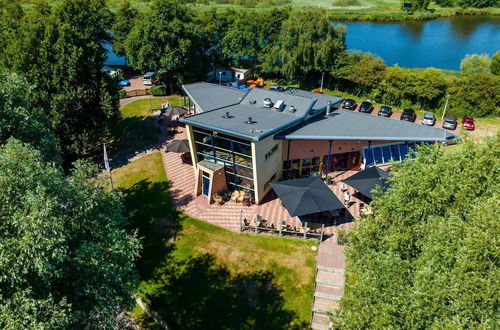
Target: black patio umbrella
<point>306,196</point>
<point>178,146</point>
<point>366,180</point>
<point>175,111</point>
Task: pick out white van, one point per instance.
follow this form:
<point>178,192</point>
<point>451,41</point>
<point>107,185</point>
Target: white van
<point>148,78</point>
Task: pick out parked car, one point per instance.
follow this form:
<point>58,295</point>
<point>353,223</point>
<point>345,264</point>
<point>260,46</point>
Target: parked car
<point>385,111</point>
<point>429,119</point>
<point>450,123</point>
<point>124,83</point>
<point>148,78</point>
<point>366,107</point>
<point>349,104</point>
<point>468,123</point>
<point>451,140</point>
<point>409,115</point>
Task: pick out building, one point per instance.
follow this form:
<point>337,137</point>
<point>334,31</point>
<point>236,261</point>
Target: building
<point>223,75</point>
<point>244,140</point>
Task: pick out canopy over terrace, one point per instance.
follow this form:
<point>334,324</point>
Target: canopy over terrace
<point>365,181</point>
<point>306,196</point>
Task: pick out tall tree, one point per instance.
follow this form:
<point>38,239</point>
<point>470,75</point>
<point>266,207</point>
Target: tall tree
<point>79,99</point>
<point>167,42</point>
<point>308,44</point>
<point>66,260</point>
<point>475,95</point>
<point>428,256</point>
<point>124,21</point>
<point>367,72</point>
<point>20,120</point>
<point>495,64</point>
<point>475,63</point>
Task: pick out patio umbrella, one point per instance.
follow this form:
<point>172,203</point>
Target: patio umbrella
<point>306,196</point>
<point>175,111</point>
<point>178,146</point>
<point>366,180</point>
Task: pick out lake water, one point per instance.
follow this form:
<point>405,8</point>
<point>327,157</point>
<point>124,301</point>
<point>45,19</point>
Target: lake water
<point>113,59</point>
<point>440,43</point>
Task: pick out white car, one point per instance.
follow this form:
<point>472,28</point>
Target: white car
<point>429,119</point>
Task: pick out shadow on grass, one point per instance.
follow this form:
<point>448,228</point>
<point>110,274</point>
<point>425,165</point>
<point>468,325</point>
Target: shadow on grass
<point>197,293</point>
<point>132,134</point>
<point>201,294</point>
<point>149,209</point>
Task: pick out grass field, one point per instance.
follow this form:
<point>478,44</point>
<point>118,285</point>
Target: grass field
<point>136,128</point>
<point>247,279</point>
<point>343,9</point>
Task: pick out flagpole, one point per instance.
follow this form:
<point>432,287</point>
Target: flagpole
<point>106,165</point>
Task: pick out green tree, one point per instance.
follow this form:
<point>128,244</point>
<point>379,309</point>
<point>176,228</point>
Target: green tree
<point>367,72</point>
<point>475,63</point>
<point>428,256</point>
<point>167,42</point>
<point>495,64</point>
<point>308,44</point>
<point>66,260</point>
<point>20,120</point>
<point>428,87</point>
<point>475,95</point>
<point>419,4</point>
<point>124,21</point>
<point>79,99</point>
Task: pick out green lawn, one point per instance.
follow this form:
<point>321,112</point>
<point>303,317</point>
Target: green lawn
<point>136,128</point>
<point>246,280</point>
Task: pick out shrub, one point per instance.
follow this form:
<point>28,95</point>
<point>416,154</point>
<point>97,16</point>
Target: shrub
<point>343,237</point>
<point>122,93</point>
<point>158,91</point>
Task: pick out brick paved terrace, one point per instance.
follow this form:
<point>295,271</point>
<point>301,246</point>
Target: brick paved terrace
<point>181,177</point>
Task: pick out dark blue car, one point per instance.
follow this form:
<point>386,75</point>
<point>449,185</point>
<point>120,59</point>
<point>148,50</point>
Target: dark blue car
<point>124,83</point>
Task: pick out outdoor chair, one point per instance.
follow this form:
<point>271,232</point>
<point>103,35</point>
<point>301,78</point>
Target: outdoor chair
<point>241,197</point>
<point>235,195</point>
<point>218,199</point>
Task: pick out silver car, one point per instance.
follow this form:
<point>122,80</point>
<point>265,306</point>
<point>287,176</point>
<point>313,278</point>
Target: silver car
<point>450,123</point>
<point>429,119</point>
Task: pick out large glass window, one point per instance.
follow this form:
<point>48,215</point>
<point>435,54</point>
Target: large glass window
<point>234,153</point>
<point>378,155</point>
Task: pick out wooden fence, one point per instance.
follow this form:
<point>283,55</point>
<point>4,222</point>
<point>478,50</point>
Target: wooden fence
<point>138,92</point>
<point>257,226</point>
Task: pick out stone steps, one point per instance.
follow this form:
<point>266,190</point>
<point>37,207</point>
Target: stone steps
<point>325,278</point>
<point>329,292</point>
<point>331,269</point>
<point>323,306</point>
<point>320,322</point>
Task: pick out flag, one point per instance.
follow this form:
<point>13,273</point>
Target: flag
<point>106,160</point>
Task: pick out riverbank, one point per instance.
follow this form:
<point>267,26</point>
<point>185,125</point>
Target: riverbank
<point>348,10</point>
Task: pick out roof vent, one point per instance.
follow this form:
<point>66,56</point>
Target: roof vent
<point>268,103</point>
<point>279,105</point>
<point>252,101</point>
<point>249,121</point>
<point>227,115</point>
<point>292,109</point>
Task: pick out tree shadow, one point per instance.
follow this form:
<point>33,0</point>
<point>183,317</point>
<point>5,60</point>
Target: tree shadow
<point>149,209</point>
<point>202,294</point>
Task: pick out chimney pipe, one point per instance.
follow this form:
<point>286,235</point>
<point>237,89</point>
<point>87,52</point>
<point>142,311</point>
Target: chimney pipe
<point>328,108</point>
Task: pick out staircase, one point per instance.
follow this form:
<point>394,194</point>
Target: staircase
<point>329,284</point>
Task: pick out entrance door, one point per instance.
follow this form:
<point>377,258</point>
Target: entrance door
<point>206,183</point>
<point>354,158</point>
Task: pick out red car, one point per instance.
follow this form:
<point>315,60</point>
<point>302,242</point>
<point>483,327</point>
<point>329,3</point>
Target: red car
<point>468,123</point>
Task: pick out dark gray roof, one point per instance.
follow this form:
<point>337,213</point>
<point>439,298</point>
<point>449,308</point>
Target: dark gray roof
<point>265,121</point>
<point>207,96</point>
<point>350,125</point>
<point>322,99</point>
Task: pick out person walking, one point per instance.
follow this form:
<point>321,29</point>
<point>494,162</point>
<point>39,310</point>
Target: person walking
<point>347,198</point>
